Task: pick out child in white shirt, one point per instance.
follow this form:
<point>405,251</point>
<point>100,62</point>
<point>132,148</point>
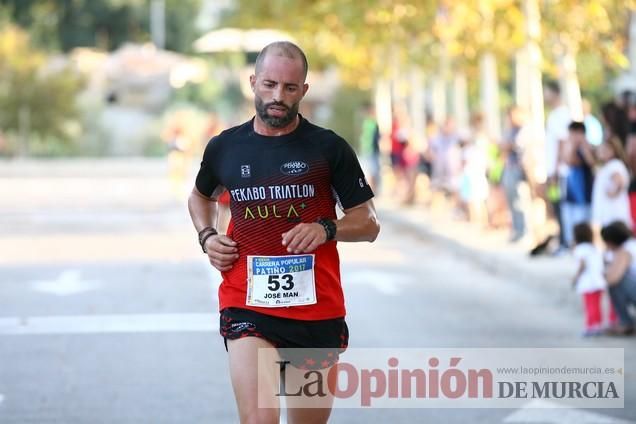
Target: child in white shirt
<point>589,280</point>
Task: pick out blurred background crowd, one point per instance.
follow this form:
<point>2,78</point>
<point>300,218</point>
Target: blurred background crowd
<point>506,113</point>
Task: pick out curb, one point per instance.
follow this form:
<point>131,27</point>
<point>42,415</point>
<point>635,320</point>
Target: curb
<point>521,271</point>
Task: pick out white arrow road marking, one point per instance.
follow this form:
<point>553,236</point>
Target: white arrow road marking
<point>99,324</point>
<point>68,283</point>
<point>384,282</point>
<point>542,411</point>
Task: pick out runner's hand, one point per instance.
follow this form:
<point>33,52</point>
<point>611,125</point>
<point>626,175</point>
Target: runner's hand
<point>222,252</point>
<point>304,238</point>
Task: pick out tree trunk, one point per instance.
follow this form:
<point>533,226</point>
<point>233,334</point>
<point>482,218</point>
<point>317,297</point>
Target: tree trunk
<point>631,46</point>
<point>438,93</point>
<point>460,101</point>
<point>570,81</point>
<point>383,110</point>
<point>532,100</point>
<point>416,106</point>
<point>24,132</point>
<point>158,23</point>
<point>490,96</point>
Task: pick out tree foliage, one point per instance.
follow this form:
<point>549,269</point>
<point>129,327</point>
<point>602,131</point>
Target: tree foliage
<point>365,38</point>
<point>66,24</point>
<point>373,36</point>
<point>47,95</point>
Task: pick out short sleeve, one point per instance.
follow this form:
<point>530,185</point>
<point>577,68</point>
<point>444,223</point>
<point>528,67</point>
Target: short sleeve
<point>617,166</point>
<point>207,180</point>
<point>347,177</point>
<point>579,252</point>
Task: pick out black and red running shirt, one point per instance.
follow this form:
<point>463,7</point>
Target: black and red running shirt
<point>274,184</point>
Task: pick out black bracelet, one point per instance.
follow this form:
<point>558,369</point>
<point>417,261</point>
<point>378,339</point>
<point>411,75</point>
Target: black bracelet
<point>203,231</point>
<point>329,226</point>
<point>204,235</point>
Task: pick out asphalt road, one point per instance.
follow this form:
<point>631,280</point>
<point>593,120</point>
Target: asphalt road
<point>113,310</point>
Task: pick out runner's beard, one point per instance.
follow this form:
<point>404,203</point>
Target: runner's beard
<point>273,121</point>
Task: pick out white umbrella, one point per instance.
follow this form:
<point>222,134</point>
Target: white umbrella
<point>238,40</point>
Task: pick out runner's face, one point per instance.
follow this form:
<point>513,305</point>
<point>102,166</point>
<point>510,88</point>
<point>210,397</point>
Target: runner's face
<point>278,89</point>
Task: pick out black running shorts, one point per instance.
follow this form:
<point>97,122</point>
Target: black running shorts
<point>314,344</point>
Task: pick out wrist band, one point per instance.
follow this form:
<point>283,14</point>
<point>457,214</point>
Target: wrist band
<point>205,234</point>
<point>203,231</point>
<point>329,226</point>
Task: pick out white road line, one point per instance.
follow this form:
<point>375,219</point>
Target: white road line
<point>545,412</point>
<point>1,399</point>
<point>101,324</point>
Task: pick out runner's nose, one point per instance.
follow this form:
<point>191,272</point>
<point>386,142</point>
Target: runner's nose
<point>278,94</point>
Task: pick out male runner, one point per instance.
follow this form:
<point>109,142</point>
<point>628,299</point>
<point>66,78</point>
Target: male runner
<point>281,275</point>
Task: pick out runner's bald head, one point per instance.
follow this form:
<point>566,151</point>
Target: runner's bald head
<point>285,49</point>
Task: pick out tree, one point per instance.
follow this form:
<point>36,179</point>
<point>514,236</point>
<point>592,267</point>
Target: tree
<point>363,38</point>
<point>33,99</point>
<point>593,30</point>
<point>66,24</point>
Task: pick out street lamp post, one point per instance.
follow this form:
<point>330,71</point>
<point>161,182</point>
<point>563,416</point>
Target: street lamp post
<point>158,23</point>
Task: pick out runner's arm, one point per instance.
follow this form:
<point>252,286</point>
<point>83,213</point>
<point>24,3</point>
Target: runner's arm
<point>359,223</point>
<point>221,250</point>
<point>619,185</point>
<point>203,210</point>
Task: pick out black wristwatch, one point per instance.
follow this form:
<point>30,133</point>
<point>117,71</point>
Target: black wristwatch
<point>330,227</point>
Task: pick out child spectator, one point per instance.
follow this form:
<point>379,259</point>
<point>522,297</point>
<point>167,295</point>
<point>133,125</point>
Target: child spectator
<point>589,280</point>
<point>620,274</point>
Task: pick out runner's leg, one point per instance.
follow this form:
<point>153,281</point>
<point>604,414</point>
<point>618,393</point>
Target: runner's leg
<point>243,358</point>
<point>319,413</point>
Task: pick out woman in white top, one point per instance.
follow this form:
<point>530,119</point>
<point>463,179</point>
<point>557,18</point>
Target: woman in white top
<point>620,272</point>
<point>610,201</point>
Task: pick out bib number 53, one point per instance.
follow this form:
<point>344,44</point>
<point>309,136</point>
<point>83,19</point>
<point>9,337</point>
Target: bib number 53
<point>274,282</point>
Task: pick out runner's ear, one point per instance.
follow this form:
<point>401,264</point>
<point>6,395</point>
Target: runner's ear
<point>252,81</point>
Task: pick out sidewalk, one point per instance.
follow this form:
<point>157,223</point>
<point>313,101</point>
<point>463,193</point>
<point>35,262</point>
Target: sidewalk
<point>490,250</point>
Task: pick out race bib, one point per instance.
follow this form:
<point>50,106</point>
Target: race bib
<point>275,281</point>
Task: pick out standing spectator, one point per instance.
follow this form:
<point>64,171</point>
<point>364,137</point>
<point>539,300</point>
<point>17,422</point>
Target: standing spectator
<point>578,156</point>
<point>370,147</point>
<point>513,174</point>
<point>446,158</point>
<point>556,133</point>
<point>179,149</point>
<point>589,281</point>
<point>496,207</point>
<point>630,150</point>
<point>630,136</point>
<point>473,186</point>
<point>614,119</point>
<point>411,169</point>
<point>593,127</point>
<point>610,201</point>
<point>399,139</point>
